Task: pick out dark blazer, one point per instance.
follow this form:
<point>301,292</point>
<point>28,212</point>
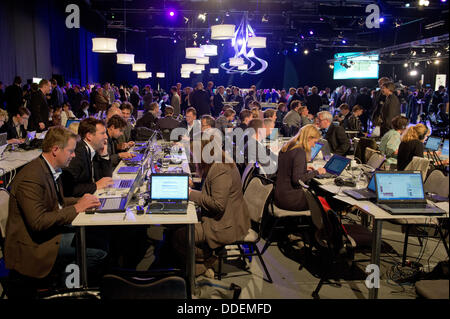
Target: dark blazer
<point>200,101</point>
<point>39,111</point>
<point>224,214</point>
<point>34,226</point>
<point>57,97</point>
<point>148,120</point>
<point>218,104</point>
<point>314,102</point>
<point>11,131</point>
<point>167,122</point>
<point>338,140</point>
<point>406,151</point>
<point>112,151</point>
<point>13,99</point>
<point>77,177</point>
<point>390,109</point>
<point>288,193</point>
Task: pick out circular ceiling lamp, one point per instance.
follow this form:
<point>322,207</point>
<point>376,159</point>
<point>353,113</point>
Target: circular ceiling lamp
<point>144,75</point>
<point>185,75</point>
<point>222,31</point>
<point>214,71</point>
<point>160,75</point>
<point>209,49</point>
<point>200,67</point>
<point>139,67</point>
<point>236,61</point>
<point>104,45</point>
<point>243,67</point>
<point>256,42</point>
<point>194,53</point>
<point>197,72</point>
<point>189,67</point>
<point>204,60</point>
<point>125,58</point>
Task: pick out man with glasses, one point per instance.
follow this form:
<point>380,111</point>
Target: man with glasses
<point>334,134</point>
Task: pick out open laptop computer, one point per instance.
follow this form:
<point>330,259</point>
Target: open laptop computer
<point>365,193</point>
<point>71,121</point>
<point>3,143</point>
<point>373,163</point>
<point>138,165</point>
<point>169,193</point>
<point>433,143</point>
<point>118,204</point>
<point>315,150</point>
<point>444,150</point>
<point>402,193</point>
<point>335,166</point>
<point>326,150</point>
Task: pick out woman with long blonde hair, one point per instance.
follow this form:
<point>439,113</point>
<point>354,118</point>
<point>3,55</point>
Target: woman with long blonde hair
<point>292,169</point>
<point>411,145</point>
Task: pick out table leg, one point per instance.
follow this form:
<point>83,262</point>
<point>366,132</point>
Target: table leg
<point>190,260</point>
<point>81,254</point>
<point>376,249</point>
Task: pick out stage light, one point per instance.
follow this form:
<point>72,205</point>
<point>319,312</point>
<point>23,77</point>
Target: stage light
<point>295,50</point>
<point>104,45</point>
<point>217,19</point>
<point>443,0</point>
<point>239,41</point>
<point>172,13</point>
<point>423,50</point>
<point>405,65</point>
<point>416,63</point>
<point>425,3</point>
<point>407,5</point>
<point>311,32</point>
<point>202,17</point>
<point>321,19</point>
<point>344,41</point>
<point>306,52</point>
<point>413,53</point>
<point>227,14</point>
<point>331,66</point>
<point>302,36</point>
<point>175,41</point>
<point>436,61</point>
<point>428,62</point>
<point>437,53</point>
<point>265,18</point>
<point>381,20</point>
<point>413,73</point>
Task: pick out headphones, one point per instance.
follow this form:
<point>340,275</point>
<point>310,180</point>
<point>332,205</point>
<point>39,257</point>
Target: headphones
<point>421,137</point>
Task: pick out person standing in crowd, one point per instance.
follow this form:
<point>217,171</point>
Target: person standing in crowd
<point>218,101</point>
<point>14,96</point>
<point>147,99</point>
<point>40,112</point>
<point>391,140</point>
<point>135,99</point>
<point>314,101</point>
<point>237,97</point>
<point>185,104</point>
<point>283,98</point>
<point>365,101</point>
<point>249,99</point>
<point>101,104</point>
<point>378,102</point>
<point>200,100</point>
<point>438,97</point>
<point>351,97</point>
<point>293,96</point>
<point>391,107</point>
<point>57,97</point>
<point>175,101</point>
<point>334,134</point>
<point>150,117</point>
<point>38,210</point>
<point>75,102</point>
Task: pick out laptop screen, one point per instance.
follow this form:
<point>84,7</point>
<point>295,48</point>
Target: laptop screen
<point>371,185</point>
<point>399,186</point>
<point>315,150</point>
<point>71,121</point>
<point>170,187</point>
<point>445,148</point>
<point>337,164</point>
<point>3,139</point>
<point>433,143</point>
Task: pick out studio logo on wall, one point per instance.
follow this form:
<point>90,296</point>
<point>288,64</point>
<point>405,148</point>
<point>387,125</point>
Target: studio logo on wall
<point>373,19</point>
<point>73,19</point>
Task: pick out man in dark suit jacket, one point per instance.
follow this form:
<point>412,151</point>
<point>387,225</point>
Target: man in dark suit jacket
<point>391,107</point>
<point>200,100</point>
<point>168,123</point>
<point>314,101</point>
<point>218,101</point>
<point>40,112</point>
<point>38,211</point>
<point>15,126</point>
<point>378,101</point>
<point>91,169</point>
<point>150,117</point>
<point>116,125</point>
<point>57,97</point>
<point>334,134</point>
<point>14,96</point>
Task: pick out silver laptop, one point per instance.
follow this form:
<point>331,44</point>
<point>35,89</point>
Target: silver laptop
<point>169,193</point>
<point>118,204</point>
<point>326,150</point>
<point>3,143</point>
<point>402,193</point>
<point>365,193</point>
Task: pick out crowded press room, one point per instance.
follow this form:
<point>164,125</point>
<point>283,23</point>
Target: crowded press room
<point>260,149</point>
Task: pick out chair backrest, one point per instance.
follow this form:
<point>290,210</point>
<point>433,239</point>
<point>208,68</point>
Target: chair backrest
<point>368,154</point>
<point>246,175</point>
<point>255,196</point>
<point>437,183</point>
<point>117,287</point>
<point>316,211</point>
<point>419,164</point>
<point>376,160</point>
<point>4,206</point>
<point>360,148</point>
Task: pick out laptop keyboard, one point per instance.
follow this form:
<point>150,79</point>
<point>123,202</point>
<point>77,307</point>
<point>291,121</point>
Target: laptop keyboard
<point>128,169</point>
<point>408,205</point>
<point>125,183</point>
<point>111,203</point>
<point>326,175</point>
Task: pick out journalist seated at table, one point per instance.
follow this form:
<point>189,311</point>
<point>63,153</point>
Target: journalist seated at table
<point>36,239</point>
<point>91,168</point>
<point>293,169</point>
<point>224,216</point>
<point>391,140</point>
<point>411,145</point>
<point>14,127</point>
<point>334,134</point>
<point>116,125</point>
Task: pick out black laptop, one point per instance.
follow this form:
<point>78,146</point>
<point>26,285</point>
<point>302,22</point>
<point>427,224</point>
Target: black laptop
<point>364,193</point>
<point>335,166</point>
<point>401,193</point>
<point>169,193</point>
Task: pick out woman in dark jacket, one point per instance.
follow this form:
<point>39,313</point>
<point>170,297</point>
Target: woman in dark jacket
<point>292,169</point>
<point>411,145</point>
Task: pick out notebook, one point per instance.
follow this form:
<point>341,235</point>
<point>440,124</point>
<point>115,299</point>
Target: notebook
<point>315,150</point>
<point>365,193</point>
<point>402,193</point>
<point>118,204</point>
<point>433,143</point>
<point>169,193</point>
<point>335,166</point>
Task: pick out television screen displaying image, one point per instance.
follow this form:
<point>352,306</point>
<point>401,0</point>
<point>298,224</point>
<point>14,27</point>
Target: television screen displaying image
<point>360,67</point>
